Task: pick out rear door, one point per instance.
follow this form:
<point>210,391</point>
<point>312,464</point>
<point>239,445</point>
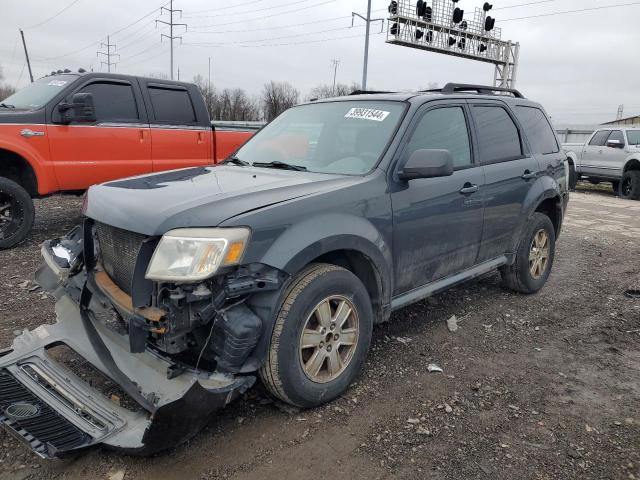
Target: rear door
<point>509,170</point>
<point>117,145</point>
<point>179,138</point>
<point>438,221</point>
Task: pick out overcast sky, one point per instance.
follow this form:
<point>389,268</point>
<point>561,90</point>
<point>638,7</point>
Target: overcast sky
<point>580,66</point>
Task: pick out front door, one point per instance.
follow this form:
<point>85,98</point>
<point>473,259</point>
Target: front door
<point>118,145</point>
<point>438,221</point>
<point>509,169</point>
<point>592,153</point>
<point>613,155</point>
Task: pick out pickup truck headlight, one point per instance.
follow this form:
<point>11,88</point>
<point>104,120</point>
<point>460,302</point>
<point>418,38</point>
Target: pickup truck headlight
<point>194,254</point>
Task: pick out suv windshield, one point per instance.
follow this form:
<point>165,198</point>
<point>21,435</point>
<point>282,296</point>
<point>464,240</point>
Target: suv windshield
<point>634,137</point>
<point>38,93</point>
<point>334,137</point>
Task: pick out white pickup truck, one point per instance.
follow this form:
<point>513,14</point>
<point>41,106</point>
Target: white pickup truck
<point>611,154</point>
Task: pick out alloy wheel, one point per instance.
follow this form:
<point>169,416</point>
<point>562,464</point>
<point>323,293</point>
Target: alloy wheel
<point>539,254</point>
<point>10,215</point>
<point>329,339</point>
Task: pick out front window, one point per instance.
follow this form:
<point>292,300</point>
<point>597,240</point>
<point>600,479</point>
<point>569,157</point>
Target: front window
<point>634,137</point>
<point>335,137</point>
<point>38,93</point>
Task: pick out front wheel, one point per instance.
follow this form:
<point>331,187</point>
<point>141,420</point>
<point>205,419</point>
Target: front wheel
<point>573,177</point>
<point>534,257</point>
<point>16,213</point>
<point>321,337</point>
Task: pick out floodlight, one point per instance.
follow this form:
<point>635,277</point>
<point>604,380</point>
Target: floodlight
<point>489,23</point>
<point>487,6</point>
<point>457,15</point>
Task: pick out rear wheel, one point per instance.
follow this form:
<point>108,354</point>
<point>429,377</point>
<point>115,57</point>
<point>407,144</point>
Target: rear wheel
<point>630,185</point>
<point>534,257</point>
<point>321,337</point>
<point>615,184</point>
<point>16,213</point>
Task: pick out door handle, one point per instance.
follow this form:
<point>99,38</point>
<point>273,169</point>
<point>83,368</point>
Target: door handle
<point>200,138</point>
<point>141,134</point>
<point>528,175</point>
<point>469,188</point>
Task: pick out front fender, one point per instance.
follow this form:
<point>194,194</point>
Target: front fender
<point>307,240</point>
<point>544,188</point>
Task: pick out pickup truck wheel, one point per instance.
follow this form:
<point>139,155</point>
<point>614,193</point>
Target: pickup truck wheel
<point>630,185</point>
<point>573,177</point>
<point>321,337</point>
<point>615,184</point>
<point>16,213</point>
<point>534,257</point>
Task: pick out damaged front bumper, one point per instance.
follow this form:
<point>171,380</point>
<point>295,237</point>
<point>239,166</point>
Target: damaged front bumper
<point>56,412</point>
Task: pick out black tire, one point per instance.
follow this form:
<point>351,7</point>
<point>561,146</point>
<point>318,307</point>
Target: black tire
<point>630,185</point>
<point>573,177</point>
<point>16,213</point>
<point>283,373</point>
<point>518,276</point>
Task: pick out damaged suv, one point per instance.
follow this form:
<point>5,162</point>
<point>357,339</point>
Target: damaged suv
<point>184,287</point>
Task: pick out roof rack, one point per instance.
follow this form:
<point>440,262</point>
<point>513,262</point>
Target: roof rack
<point>368,92</point>
<point>450,88</point>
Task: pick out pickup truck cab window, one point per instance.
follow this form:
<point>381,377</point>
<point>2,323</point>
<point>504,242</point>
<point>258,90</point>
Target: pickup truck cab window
<point>39,93</point>
<point>498,136</point>
<point>172,105</point>
<point>113,102</point>
<point>446,129</point>
<point>599,139</point>
<point>346,137</point>
<point>539,131</point>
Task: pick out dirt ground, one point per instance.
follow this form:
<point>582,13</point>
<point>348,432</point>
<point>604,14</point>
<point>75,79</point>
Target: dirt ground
<point>534,387</point>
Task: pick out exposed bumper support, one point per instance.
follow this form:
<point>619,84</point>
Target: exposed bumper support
<point>176,407</point>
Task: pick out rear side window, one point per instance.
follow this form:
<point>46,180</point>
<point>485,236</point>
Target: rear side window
<point>498,136</point>
<point>113,102</point>
<point>600,138</point>
<point>538,130</point>
<point>172,105</point>
<point>446,129</point>
<point>616,135</point>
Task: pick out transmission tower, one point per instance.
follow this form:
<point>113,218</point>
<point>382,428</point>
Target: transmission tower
<point>620,112</point>
<point>334,64</point>
<point>171,24</point>
<point>108,54</point>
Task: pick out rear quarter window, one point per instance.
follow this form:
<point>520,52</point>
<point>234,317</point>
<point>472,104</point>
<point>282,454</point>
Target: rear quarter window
<point>537,129</point>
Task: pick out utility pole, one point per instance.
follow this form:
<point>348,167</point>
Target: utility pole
<point>108,53</point>
<point>209,82</point>
<point>334,63</point>
<point>368,21</point>
<point>26,54</point>
<point>171,24</point>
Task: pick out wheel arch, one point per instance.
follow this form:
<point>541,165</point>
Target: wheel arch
<point>631,164</point>
<point>16,168</point>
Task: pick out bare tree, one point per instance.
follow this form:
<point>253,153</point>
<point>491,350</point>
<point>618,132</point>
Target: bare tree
<point>5,89</point>
<point>327,91</point>
<point>277,97</point>
<point>209,94</point>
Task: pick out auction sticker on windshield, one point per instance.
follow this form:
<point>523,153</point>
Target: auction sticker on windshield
<point>367,114</point>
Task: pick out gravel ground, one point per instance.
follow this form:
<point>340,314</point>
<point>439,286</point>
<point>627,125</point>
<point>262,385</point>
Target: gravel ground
<point>534,387</point>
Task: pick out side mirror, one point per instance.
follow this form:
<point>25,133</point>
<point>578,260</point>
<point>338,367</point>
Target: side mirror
<point>615,144</point>
<point>427,164</point>
<point>80,109</point>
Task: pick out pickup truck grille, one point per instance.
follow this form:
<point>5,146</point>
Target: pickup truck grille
<point>119,252</point>
<point>34,421</point>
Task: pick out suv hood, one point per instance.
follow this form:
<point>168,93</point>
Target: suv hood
<point>199,197</point>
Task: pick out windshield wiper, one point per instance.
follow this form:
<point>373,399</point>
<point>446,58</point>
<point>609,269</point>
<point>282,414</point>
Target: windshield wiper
<point>235,161</point>
<point>280,165</point>
<point>6,105</point>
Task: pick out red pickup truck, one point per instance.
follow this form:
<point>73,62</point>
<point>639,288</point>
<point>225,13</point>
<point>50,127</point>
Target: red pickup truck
<point>68,131</point>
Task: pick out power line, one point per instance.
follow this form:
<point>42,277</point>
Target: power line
<point>571,11</point>
<point>252,11</point>
<point>524,4</point>
<point>55,16</point>
<point>252,2</point>
<point>267,16</point>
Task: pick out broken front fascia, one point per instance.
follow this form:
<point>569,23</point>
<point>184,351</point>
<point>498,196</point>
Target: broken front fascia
<point>64,413</point>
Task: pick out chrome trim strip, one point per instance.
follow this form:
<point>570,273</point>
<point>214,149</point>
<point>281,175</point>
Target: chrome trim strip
<point>180,127</point>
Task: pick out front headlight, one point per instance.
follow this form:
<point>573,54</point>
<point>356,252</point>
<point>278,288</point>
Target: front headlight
<point>194,254</point>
